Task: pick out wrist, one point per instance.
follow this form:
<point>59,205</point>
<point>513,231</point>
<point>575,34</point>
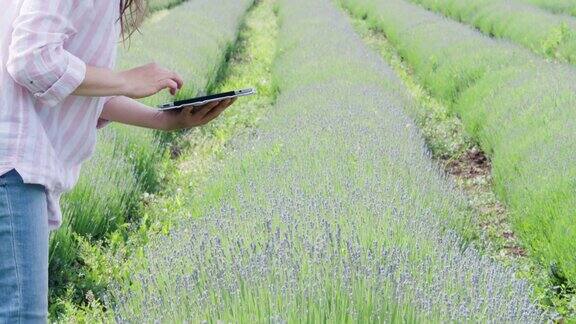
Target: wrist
<point>166,121</point>
<point>120,84</point>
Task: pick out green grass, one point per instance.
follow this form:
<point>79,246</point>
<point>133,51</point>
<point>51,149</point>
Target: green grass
<point>129,163</point>
<point>329,211</point>
<point>545,33</point>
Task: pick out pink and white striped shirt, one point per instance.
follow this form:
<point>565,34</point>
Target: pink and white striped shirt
<point>45,45</point>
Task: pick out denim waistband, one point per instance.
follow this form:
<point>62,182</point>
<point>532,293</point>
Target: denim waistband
<point>10,177</point>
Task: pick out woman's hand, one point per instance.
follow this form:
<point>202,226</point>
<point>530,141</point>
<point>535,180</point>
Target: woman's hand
<point>136,83</point>
<point>191,116</point>
<point>148,80</point>
<point>131,112</point>
<point>142,82</point>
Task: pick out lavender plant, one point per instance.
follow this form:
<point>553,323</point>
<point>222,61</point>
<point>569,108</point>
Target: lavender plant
<point>519,107</point>
<point>330,212</point>
<point>543,32</point>
<point>556,6</point>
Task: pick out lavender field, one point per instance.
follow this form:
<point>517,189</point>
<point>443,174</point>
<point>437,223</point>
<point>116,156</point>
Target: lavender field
<point>323,199</point>
<point>329,213</point>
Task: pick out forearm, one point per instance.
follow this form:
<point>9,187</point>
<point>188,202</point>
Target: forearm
<point>101,82</point>
<point>129,111</point>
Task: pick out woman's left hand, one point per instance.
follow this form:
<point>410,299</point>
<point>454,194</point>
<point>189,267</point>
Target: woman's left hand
<point>192,116</point>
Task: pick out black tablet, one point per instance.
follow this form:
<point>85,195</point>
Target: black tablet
<point>200,101</point>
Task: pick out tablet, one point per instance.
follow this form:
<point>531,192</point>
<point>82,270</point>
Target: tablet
<point>200,101</point>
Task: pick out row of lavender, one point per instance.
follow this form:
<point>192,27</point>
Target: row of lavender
<point>519,107</point>
<point>567,7</point>
<point>332,211</point>
<point>129,161</point>
<point>543,32</point>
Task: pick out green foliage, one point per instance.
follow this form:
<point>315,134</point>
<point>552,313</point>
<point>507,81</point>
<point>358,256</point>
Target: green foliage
<point>517,106</point>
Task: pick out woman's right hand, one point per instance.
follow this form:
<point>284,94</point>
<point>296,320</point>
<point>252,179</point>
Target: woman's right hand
<point>148,80</point>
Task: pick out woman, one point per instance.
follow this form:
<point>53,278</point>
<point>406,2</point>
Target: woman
<point>57,87</point>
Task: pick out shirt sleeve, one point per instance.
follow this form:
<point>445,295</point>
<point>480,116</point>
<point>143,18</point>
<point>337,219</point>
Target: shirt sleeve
<point>37,58</point>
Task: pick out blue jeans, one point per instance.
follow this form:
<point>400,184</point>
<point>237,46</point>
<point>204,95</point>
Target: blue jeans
<point>23,251</point>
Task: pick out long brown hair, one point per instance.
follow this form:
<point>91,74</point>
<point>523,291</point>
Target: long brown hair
<point>132,13</point>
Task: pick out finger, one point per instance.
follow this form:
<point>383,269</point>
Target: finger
<point>206,108</point>
<point>168,74</point>
<point>187,110</point>
<point>220,105</point>
<point>170,84</point>
<point>179,80</point>
<point>226,103</point>
<point>193,109</point>
<point>212,114</point>
<point>231,102</point>
<point>216,111</point>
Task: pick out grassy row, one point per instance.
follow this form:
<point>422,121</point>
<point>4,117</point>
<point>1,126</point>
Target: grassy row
<point>541,31</point>
<point>461,157</point>
<point>452,148</point>
<point>129,161</point>
<point>557,6</point>
<point>250,64</point>
<point>519,108</point>
<point>331,211</point>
